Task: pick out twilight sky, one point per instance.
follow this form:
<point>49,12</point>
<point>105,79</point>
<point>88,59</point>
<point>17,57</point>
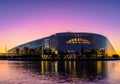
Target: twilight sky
<point>22,21</point>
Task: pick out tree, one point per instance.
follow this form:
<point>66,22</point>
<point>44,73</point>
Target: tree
<point>115,56</point>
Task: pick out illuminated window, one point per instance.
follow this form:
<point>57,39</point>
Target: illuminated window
<point>75,39</point>
<point>78,41</point>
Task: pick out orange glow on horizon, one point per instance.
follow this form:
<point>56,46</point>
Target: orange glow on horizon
<point>118,52</point>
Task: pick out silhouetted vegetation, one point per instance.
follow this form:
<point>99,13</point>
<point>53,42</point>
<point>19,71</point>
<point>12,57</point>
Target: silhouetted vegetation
<point>115,56</point>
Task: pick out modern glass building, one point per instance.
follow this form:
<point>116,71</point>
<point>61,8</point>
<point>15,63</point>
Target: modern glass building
<point>67,45</point>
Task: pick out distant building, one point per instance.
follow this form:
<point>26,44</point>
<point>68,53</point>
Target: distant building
<point>67,44</point>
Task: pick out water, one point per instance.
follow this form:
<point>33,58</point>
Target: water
<point>57,72</point>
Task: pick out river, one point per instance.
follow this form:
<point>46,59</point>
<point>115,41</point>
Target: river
<point>59,72</point>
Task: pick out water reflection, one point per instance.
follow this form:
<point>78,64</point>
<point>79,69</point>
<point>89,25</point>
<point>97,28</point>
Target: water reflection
<point>53,72</point>
<point>69,70</point>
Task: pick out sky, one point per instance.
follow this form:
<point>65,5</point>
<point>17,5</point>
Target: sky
<point>22,21</point>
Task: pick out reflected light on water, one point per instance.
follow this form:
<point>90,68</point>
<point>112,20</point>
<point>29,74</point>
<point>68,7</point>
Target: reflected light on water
<point>99,67</point>
<point>4,69</point>
<point>114,72</point>
<point>75,70</point>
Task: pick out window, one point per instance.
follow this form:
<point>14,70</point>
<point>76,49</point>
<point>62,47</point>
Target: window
<point>78,41</point>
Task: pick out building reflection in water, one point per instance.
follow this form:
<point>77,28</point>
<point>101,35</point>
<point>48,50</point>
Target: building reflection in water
<point>54,72</point>
<point>73,70</point>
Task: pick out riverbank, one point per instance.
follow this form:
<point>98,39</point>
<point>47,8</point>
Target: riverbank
<point>38,59</point>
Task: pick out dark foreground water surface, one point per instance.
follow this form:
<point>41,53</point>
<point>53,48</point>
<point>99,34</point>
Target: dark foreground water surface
<point>57,72</point>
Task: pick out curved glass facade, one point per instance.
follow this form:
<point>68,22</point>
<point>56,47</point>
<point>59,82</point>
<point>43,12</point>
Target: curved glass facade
<point>68,44</point>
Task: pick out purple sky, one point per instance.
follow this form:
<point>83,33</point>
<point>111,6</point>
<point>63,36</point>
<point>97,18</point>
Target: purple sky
<point>25,20</point>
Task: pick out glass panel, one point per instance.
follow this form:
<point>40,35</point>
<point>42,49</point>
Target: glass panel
<point>78,41</point>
